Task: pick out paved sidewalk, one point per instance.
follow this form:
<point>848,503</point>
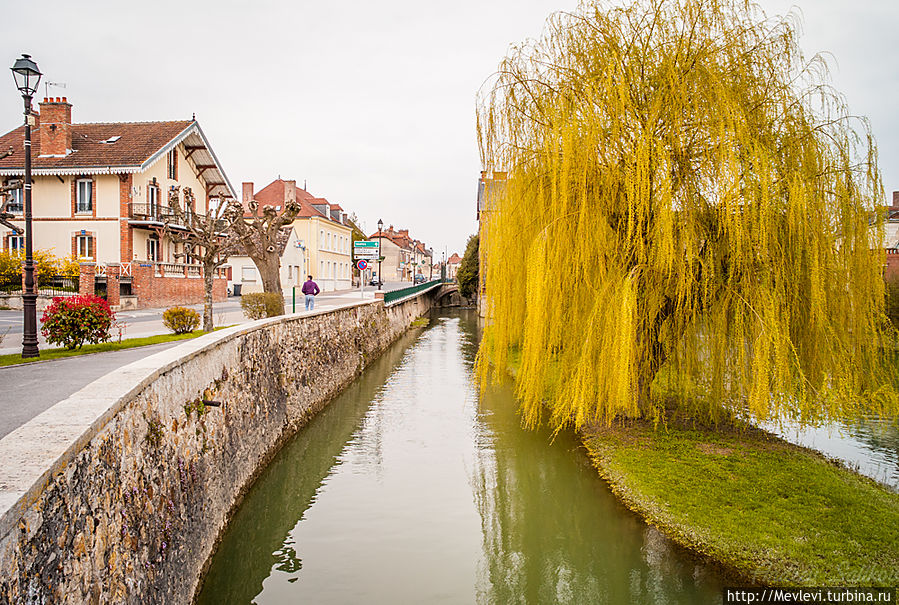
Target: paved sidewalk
<point>29,389</point>
<point>148,322</point>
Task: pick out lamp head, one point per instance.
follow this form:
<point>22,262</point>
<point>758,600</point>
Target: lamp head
<point>26,75</point>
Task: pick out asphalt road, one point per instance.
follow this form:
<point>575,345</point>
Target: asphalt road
<point>29,389</point>
<point>148,322</point>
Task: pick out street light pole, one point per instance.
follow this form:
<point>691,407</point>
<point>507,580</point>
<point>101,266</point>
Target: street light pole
<point>380,256</point>
<point>27,77</point>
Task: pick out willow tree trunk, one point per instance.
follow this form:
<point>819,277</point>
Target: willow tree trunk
<point>270,272</point>
<point>208,277</point>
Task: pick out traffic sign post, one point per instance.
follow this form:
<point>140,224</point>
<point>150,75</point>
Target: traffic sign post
<point>362,265</point>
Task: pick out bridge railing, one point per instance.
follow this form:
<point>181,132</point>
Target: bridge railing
<point>397,295</point>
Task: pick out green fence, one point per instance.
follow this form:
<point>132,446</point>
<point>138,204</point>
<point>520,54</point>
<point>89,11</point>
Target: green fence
<point>395,295</point>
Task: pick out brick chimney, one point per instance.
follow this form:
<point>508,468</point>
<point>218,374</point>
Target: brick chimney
<point>247,195</point>
<point>404,232</point>
<point>895,205</point>
<point>290,192</point>
<point>56,126</point>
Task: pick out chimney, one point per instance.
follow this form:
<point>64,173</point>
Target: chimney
<point>404,232</point>
<point>55,126</point>
<point>290,192</point>
<point>247,196</point>
<point>895,205</point>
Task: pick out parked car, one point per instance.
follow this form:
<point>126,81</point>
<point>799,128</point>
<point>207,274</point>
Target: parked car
<point>419,279</point>
<point>374,281</point>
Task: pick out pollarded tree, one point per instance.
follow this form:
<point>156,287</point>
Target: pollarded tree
<point>261,239</point>
<point>695,210</point>
<point>205,238</point>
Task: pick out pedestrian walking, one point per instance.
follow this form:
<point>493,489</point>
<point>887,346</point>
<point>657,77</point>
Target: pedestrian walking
<point>311,290</point>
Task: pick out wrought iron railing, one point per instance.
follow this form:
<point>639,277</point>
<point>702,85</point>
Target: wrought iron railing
<point>395,295</point>
<point>159,213</point>
<point>47,285</point>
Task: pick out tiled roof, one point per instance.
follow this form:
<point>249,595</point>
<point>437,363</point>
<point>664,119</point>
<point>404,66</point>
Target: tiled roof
<point>137,143</point>
<point>401,242</point>
<point>273,194</point>
<point>455,259</point>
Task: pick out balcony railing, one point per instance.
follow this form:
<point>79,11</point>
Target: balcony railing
<point>183,270</point>
<point>159,213</point>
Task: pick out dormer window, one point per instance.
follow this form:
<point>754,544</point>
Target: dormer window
<point>84,196</point>
<point>172,164</point>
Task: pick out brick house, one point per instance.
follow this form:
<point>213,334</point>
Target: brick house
<point>100,193</point>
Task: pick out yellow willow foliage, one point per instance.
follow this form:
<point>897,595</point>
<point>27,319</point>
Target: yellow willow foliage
<point>690,212</point>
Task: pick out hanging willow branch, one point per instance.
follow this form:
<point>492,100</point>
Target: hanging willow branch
<point>695,208</point>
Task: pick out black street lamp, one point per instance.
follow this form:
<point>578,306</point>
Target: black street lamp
<point>380,256</point>
<point>27,77</point>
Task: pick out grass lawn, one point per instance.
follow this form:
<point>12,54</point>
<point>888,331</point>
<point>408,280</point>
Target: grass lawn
<point>128,343</point>
<point>773,512</point>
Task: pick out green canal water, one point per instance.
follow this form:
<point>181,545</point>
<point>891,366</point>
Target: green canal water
<point>412,487</point>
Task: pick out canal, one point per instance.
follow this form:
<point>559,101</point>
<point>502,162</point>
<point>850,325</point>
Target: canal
<point>412,487</point>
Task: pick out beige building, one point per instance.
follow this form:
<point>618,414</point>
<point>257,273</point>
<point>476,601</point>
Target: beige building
<point>322,244</point>
<point>101,190</point>
<point>293,266</point>
<point>403,256</point>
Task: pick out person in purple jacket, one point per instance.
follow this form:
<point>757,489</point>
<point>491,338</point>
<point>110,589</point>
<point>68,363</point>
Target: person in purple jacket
<point>310,289</point>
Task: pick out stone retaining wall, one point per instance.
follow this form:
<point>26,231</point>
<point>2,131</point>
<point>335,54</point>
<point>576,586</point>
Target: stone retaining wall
<point>119,493</point>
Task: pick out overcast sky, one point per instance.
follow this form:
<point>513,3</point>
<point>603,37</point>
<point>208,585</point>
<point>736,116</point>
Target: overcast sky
<point>373,103</point>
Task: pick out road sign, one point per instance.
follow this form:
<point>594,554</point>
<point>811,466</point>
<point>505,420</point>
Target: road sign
<point>363,265</point>
<point>369,250</point>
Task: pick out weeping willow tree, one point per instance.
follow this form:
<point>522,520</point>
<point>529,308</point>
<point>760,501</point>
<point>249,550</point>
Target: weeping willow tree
<point>695,211</point>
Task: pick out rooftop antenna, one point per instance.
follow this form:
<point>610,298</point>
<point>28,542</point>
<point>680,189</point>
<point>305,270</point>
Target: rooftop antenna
<point>304,185</point>
<point>47,86</point>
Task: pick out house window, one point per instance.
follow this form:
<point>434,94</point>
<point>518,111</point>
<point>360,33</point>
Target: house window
<point>84,246</point>
<point>14,202</point>
<point>153,201</point>
<point>248,274</point>
<point>153,249</point>
<point>172,165</point>
<point>17,243</point>
<point>84,196</point>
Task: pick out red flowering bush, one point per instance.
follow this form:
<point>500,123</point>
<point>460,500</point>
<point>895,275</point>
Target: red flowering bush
<point>74,320</point>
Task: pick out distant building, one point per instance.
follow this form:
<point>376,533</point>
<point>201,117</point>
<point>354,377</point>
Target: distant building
<point>321,243</point>
<point>891,239</point>
<point>452,265</point>
<point>490,186</point>
<point>404,257</point>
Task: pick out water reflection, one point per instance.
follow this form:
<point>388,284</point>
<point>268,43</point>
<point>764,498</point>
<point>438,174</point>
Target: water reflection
<point>869,445</point>
<point>412,488</point>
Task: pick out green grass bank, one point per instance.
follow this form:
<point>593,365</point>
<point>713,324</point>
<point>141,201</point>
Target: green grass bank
<point>128,343</point>
<point>773,512</point>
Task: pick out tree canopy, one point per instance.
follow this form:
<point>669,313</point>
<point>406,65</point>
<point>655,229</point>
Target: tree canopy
<point>468,273</point>
<point>696,210</point>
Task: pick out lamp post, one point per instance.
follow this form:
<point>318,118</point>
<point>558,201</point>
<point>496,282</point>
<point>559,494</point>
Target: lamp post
<point>380,275</point>
<point>27,77</point>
